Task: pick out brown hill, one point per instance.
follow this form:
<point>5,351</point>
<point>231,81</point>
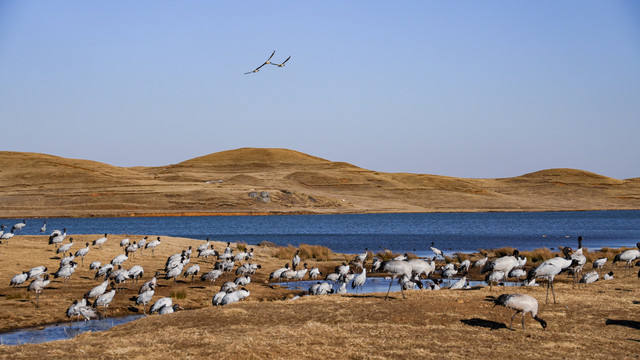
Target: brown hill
<point>276,181</point>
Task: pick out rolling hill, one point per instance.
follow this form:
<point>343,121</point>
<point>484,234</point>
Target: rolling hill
<point>281,181</point>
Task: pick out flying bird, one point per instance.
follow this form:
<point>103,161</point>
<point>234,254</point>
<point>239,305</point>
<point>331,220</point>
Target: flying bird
<point>265,63</point>
<point>281,65</point>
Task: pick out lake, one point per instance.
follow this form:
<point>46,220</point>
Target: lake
<point>352,233</point>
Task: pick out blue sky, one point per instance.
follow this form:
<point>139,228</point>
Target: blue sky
<point>459,88</point>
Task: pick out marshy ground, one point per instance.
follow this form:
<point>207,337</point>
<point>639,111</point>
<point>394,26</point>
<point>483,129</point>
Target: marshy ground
<point>599,320</point>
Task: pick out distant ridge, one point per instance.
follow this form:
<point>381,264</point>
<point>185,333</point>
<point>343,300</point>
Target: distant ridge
<point>41,185</point>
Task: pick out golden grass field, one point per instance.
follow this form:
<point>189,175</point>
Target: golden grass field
<point>39,185</point>
<point>596,321</point>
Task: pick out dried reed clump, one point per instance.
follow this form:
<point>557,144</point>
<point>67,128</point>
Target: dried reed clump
<point>538,255</point>
<point>17,296</point>
<point>285,252</point>
<point>182,294</point>
<point>266,243</point>
<point>462,257</point>
<point>503,251</point>
<point>241,246</point>
<point>316,252</point>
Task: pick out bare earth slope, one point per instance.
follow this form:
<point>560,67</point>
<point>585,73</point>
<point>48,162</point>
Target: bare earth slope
<point>221,183</point>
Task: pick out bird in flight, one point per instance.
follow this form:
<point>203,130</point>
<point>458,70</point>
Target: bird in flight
<point>281,65</point>
<point>265,63</point>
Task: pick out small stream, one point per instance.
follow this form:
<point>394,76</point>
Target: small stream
<point>60,331</point>
<point>379,284</point>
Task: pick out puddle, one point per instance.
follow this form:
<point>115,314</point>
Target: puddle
<point>60,331</point>
<point>377,284</point>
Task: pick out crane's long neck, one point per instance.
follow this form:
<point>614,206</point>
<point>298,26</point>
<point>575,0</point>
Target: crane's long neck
<point>541,321</point>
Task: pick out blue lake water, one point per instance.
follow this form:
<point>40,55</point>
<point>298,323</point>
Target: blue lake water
<point>352,233</point>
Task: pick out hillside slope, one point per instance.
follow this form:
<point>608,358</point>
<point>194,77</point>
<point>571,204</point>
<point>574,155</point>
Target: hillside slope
<point>275,181</point>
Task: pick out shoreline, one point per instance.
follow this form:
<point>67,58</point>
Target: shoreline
<point>284,213</point>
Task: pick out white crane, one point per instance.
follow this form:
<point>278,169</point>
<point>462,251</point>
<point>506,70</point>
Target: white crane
<point>100,241</point>
<point>396,268</point>
<point>522,304</point>
<point>628,256</point>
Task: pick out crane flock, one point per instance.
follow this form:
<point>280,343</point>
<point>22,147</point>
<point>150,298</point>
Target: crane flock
<point>408,271</point>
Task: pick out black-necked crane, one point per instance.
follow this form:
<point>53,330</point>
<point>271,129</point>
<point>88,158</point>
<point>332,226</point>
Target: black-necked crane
<point>19,225</point>
<point>523,304</point>
<point>66,247</point>
<point>131,249</point>
<point>503,264</point>
<point>43,228</point>
<point>550,268</point>
<point>342,269</point>
<point>35,272</point>
<point>65,271</point>
<point>19,279</point>
<point>192,271</point>
<point>211,276</point>
<point>396,268</point>
<point>590,277</point>
<point>276,274</point>
<point>119,259</point>
<point>82,253</point>
<point>578,255</point>
<point>517,273</point>
<point>628,256</point>
<point>100,241</point>
<point>243,280</point>
<point>494,277</point>
<point>235,296</point>
<point>421,267</point>
<point>144,298</point>
<point>98,290</point>
<point>125,242</point>
<point>169,309</point>
<point>149,285</point>
<point>95,265</point>
<point>165,301</point>
<point>608,276</point>
<point>436,251</point>
<point>460,284</point>
<point>480,263</point>
<point>38,285</point>
<point>359,280</point>
<point>2,227</point>
<point>333,277</point>
<point>265,63</point>
<point>205,245</point>
<point>362,257</point>
<point>321,288</point>
<point>57,237</point>
<point>105,270</point>
<point>599,263</point>
<point>314,273</point>
<point>296,260</point>
<point>6,236</point>
<point>142,243</point>
<point>105,299</point>
<point>136,272</point>
<point>153,245</point>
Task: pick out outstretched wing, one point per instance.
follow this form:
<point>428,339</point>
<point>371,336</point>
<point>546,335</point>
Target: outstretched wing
<point>273,53</point>
<point>286,60</point>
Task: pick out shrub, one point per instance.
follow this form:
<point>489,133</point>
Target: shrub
<point>179,294</point>
<point>266,243</point>
<point>241,246</point>
<point>316,252</point>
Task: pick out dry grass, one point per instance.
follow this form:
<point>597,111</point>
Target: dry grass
<point>241,246</point>
<point>428,325</point>
<point>315,252</point>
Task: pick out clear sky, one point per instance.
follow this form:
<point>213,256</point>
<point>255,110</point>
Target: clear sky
<point>478,89</point>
